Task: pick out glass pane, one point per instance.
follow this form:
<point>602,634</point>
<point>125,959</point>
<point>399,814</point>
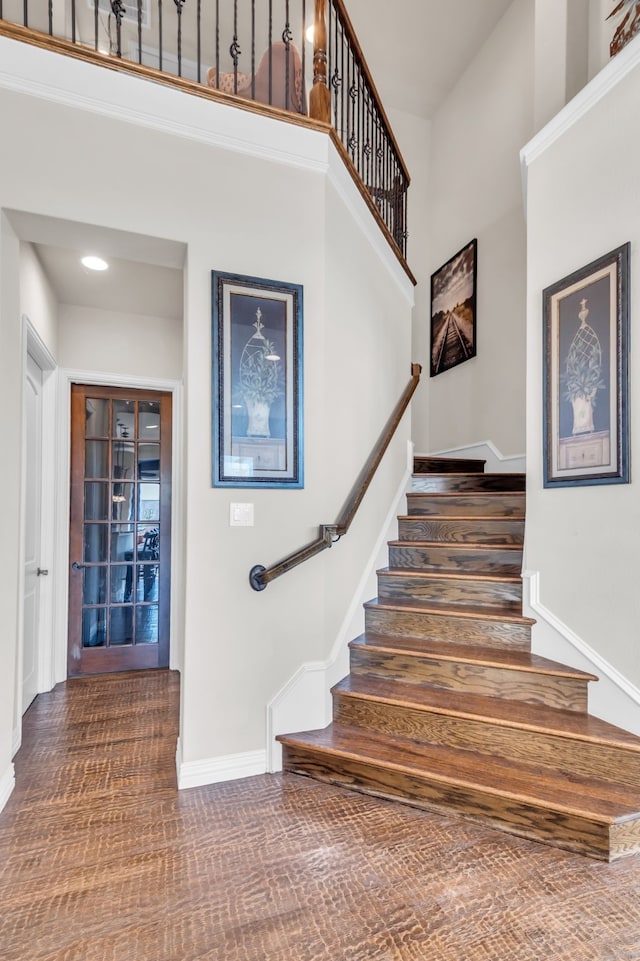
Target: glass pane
<point>122,542</point>
<point>95,543</point>
<point>147,624</point>
<point>148,542</point>
<point>124,418</point>
<point>149,420</point>
<point>95,585</point>
<point>97,417</point>
<point>149,461</point>
<point>123,459</point>
<point>149,502</point>
<point>121,626</point>
<point>96,454</point>
<point>96,501</point>
<point>122,501</point>
<point>147,584</point>
<point>121,581</point>
<point>94,623</point>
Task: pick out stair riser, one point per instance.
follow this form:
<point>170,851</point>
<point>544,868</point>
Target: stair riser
<point>571,833</point>
<point>567,693</point>
<point>441,465</point>
<point>467,505</point>
<point>443,627</point>
<point>445,483</point>
<point>497,595</point>
<point>485,736</point>
<point>447,558</point>
<point>461,530</point>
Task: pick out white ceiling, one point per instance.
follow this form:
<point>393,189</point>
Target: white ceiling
<point>415,62</point>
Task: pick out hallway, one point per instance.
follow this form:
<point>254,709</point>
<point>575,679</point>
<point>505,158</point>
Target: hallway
<point>103,860</point>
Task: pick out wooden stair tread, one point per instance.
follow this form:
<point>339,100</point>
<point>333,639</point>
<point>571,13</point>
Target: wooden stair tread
<point>523,716</point>
<point>421,573</point>
<point>457,545</point>
<point>495,518</point>
<point>425,464</point>
<point>483,656</point>
<point>526,782</point>
<point>454,610</point>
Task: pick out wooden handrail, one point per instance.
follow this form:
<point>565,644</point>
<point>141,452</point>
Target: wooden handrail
<point>328,534</point>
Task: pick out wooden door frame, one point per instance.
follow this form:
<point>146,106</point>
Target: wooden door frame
<point>67,377</point>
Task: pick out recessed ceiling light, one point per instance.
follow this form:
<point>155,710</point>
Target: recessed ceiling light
<point>94,263</point>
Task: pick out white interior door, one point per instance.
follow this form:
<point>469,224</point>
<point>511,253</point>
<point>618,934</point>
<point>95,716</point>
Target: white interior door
<point>33,494</point>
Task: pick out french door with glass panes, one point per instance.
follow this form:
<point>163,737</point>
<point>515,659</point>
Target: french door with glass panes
<point>120,530</point>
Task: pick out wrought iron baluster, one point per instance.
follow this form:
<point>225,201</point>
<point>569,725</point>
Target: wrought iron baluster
<point>73,22</point>
<point>118,10</point>
<point>270,48</point>
<point>179,5</point>
<point>160,34</point>
<point>50,6</point>
<point>199,40</point>
<point>253,49</point>
<point>217,44</point>
<point>287,37</point>
<point>25,13</point>
<point>304,54</point>
<point>234,49</point>
<point>139,31</point>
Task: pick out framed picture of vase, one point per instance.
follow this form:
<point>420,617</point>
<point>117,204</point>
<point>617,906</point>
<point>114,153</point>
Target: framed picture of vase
<point>257,382</point>
<point>585,374</point>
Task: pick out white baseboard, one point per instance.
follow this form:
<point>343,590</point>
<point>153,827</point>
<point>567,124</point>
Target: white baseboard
<point>7,784</point>
<point>613,698</point>
<point>16,740</point>
<point>212,770</point>
<point>496,462</point>
<point>304,702</point>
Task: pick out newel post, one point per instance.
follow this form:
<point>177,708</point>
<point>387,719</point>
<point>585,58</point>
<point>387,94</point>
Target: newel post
<point>319,98</point>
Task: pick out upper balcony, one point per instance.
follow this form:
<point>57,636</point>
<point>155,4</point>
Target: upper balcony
<point>297,60</point>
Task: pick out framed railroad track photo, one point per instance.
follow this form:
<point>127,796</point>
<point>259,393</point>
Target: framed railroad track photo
<point>453,310</point>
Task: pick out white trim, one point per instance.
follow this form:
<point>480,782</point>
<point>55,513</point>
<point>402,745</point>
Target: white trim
<point>613,73</point>
<point>67,377</point>
<point>512,462</point>
<point>7,784</point>
<point>613,698</point>
<point>304,701</point>
<point>228,767</point>
<point>16,739</point>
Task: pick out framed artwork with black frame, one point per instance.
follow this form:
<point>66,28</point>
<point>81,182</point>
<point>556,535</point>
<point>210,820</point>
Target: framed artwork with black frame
<point>585,374</point>
<point>453,310</point>
<point>257,382</point>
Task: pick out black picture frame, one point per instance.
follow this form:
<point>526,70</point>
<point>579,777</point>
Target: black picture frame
<point>257,382</point>
<point>453,310</point>
<point>585,374</point>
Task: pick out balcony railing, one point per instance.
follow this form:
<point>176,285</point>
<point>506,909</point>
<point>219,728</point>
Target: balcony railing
<point>298,58</point>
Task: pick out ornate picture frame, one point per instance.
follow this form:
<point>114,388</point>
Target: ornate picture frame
<point>257,382</point>
<point>585,374</point>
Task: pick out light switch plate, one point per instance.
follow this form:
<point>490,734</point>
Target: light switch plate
<point>241,515</point>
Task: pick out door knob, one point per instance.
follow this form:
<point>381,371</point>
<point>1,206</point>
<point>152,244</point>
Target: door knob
<point>41,573</point>
<point>77,567</point>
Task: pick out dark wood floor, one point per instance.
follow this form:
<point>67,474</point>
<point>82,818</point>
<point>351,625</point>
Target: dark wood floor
<point>101,859</point>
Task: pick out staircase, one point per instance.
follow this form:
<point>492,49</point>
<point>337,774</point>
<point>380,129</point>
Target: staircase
<point>446,708</point>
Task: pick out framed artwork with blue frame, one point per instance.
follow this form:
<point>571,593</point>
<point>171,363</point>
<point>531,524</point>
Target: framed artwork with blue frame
<point>257,382</point>
<point>585,374</point>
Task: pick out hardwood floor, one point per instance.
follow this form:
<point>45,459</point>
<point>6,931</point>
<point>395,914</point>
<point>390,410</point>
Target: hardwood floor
<point>102,859</point>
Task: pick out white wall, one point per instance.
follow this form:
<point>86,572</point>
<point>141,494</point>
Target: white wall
<point>37,299</point>
<point>295,216</point>
<point>582,540</point>
<point>475,191</point>
<point>109,341</point>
